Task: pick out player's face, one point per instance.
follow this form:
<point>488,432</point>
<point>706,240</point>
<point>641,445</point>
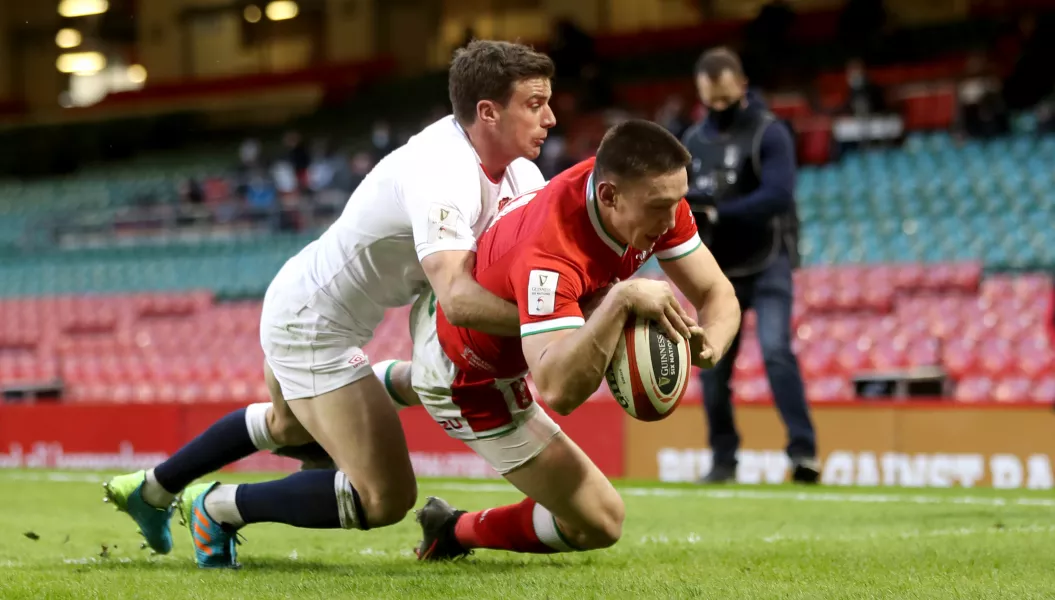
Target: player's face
<point>524,122</point>
<point>645,208</point>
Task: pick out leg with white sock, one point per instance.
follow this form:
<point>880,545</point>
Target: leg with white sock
<point>234,437</point>
<point>316,499</point>
<point>261,426</point>
<point>395,375</point>
<point>570,506</point>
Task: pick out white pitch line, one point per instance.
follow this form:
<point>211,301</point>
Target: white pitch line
<point>694,538</point>
<point>662,492</point>
<point>54,477</point>
<point>740,494</point>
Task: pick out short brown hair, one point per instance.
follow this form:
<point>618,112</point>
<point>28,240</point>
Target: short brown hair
<point>488,70</point>
<point>717,60</point>
<point>639,148</point>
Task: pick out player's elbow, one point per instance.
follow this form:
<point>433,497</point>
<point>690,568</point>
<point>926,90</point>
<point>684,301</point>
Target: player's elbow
<point>559,406</point>
<point>724,294</point>
<point>556,400</point>
<point>552,391</point>
<point>562,395</point>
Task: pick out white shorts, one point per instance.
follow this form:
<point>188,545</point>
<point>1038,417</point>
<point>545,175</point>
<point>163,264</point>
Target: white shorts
<point>309,354</point>
<point>497,418</point>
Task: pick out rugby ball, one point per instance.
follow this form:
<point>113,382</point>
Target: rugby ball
<point>648,374</point>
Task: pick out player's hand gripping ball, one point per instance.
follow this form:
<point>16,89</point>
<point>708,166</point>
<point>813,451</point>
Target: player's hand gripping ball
<point>649,373</point>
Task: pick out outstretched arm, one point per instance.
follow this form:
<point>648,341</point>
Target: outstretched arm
<point>701,280</point>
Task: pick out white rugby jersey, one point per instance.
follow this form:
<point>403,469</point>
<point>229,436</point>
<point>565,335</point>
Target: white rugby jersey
<point>427,196</point>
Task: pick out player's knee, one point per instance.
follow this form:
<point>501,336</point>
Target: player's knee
<point>606,527</point>
<point>389,504</point>
<point>286,430</point>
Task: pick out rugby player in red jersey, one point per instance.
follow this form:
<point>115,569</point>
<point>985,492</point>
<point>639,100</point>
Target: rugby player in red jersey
<point>549,252</point>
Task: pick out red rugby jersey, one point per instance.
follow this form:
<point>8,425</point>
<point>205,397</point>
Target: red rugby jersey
<point>546,250</point>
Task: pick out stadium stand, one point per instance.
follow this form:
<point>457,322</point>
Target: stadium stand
<point>903,247</point>
<point>990,334</point>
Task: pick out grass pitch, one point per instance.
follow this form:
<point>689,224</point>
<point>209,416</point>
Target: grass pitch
<point>57,540</point>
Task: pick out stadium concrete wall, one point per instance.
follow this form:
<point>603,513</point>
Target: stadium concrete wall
<point>919,444</point>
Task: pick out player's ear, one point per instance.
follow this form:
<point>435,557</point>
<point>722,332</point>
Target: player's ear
<point>606,193</point>
<point>487,111</point>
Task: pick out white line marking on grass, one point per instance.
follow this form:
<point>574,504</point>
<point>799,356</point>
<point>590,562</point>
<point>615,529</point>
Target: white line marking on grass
<point>914,534</point>
<point>694,538</point>
<point>55,477</point>
<point>9,564</point>
<point>855,498</point>
<point>656,492</point>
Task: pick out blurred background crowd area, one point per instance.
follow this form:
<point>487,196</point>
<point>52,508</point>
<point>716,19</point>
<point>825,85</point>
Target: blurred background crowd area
<point>174,153</point>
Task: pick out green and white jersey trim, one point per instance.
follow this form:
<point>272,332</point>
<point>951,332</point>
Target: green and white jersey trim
<point>684,249</point>
<point>595,219</point>
<point>551,325</point>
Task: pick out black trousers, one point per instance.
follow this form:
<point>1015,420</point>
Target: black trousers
<point>769,293</point>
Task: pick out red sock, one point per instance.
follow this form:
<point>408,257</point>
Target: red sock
<point>503,528</point>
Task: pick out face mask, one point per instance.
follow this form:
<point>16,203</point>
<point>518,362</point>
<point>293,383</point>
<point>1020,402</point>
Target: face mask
<point>724,119</point>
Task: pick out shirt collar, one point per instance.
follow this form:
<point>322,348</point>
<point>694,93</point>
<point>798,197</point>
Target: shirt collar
<point>594,211</point>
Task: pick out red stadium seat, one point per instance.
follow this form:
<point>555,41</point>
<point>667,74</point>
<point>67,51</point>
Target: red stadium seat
<point>749,358</point>
<point>829,389</point>
<point>1043,389</point>
<point>818,359</point>
<point>1013,389</point>
<point>853,358</point>
<point>751,389</point>
<point>923,352</point>
<point>889,354</point>
<point>958,356</point>
<point>996,357</point>
<point>909,277</point>
<point>974,389</point>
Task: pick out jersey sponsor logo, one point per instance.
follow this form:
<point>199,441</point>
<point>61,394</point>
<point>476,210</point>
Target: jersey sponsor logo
<point>640,258</point>
<point>542,292</point>
<point>358,359</point>
<point>443,223</point>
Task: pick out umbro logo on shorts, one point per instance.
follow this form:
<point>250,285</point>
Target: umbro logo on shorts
<point>358,359</point>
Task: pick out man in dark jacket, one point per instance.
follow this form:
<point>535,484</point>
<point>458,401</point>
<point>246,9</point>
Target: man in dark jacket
<point>742,192</point>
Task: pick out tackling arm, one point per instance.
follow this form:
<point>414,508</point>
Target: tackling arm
<point>700,278</point>
<point>465,302</point>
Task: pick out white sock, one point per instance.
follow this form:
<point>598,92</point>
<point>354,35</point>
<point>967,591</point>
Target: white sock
<point>154,494</point>
<point>346,508</point>
<point>220,505</point>
<point>547,531</point>
<point>256,423</point>
<point>383,371</point>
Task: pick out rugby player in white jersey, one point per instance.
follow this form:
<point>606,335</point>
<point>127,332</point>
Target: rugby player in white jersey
<point>411,225</point>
